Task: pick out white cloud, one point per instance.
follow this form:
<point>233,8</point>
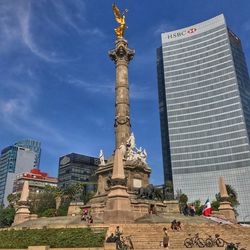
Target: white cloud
<point>77,20</point>
<point>18,102</point>
<point>103,88</point>
<point>66,15</point>
<point>137,92</point>
<point>94,32</point>
<point>10,106</point>
<point>24,16</point>
<point>17,114</point>
<point>18,19</point>
<point>9,30</point>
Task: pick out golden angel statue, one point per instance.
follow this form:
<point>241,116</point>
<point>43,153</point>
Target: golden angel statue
<point>121,20</point>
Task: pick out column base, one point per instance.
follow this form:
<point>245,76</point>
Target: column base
<point>118,207</point>
<point>227,211</point>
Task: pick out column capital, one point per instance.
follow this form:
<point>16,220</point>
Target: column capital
<point>121,52</point>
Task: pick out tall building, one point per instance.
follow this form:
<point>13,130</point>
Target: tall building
<point>204,97</point>
<point>37,181</point>
<point>76,168</point>
<point>34,146</point>
<point>16,159</point>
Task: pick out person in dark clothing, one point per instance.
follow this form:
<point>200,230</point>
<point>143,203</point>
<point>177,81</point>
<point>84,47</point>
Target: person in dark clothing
<point>192,210</point>
<point>111,238</point>
<point>174,225</point>
<point>186,210</point>
<point>90,219</point>
<point>165,238</point>
<point>118,233</point>
<point>178,226</point>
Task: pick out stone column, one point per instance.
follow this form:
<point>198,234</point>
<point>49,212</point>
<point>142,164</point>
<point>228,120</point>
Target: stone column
<point>225,207</point>
<point>121,55</point>
<point>23,212</point>
<point>118,206</point>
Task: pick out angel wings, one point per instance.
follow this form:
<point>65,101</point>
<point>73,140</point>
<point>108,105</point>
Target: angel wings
<point>120,19</point>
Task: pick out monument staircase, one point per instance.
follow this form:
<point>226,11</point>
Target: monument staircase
<point>148,236</point>
<point>53,222</point>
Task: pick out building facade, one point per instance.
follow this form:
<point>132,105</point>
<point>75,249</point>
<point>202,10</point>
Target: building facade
<point>204,97</point>
<point>76,168</point>
<point>16,159</point>
<point>37,181</point>
<point>34,146</point>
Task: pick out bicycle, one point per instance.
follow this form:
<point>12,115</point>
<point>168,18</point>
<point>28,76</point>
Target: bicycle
<point>234,246</point>
<point>194,241</point>
<point>216,241</point>
<point>124,243</point>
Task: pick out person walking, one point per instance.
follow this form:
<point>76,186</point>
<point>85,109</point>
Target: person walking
<point>165,238</point>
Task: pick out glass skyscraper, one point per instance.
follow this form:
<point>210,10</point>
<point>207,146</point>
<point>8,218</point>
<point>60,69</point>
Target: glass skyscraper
<point>76,168</point>
<point>204,97</point>
<point>20,157</point>
<point>35,146</point>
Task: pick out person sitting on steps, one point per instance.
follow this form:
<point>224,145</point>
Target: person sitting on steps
<point>174,225</point>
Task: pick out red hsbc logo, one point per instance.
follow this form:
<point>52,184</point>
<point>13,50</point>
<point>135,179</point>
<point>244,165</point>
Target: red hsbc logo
<point>182,33</point>
<point>192,30</point>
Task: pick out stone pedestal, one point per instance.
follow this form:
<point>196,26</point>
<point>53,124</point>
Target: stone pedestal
<point>225,207</point>
<point>22,214</point>
<point>227,211</point>
<point>118,206</point>
<point>75,208</point>
<point>137,174</point>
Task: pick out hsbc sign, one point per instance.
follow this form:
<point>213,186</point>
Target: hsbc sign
<point>182,33</point>
<point>192,30</point>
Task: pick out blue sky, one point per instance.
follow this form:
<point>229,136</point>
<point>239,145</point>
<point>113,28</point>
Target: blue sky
<point>57,82</point>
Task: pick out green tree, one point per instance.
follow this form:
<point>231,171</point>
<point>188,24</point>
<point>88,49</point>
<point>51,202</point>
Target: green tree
<point>198,207</point>
<point>41,202</point>
<point>55,201</point>
<point>233,197</point>
<point>215,205</point>
<point>6,216</point>
<point>13,198</point>
<point>169,185</point>
<point>88,196</point>
<point>63,209</point>
<point>182,199</point>
<point>58,194</point>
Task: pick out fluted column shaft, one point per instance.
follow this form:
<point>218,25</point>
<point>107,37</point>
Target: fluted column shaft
<point>121,55</point>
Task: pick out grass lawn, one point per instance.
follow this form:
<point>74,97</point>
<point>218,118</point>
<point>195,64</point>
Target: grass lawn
<point>65,237</point>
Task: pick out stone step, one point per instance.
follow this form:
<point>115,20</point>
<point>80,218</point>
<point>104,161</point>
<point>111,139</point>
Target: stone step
<point>148,236</point>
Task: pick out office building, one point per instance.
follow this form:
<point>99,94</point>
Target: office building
<point>16,159</point>
<point>13,160</point>
<point>37,181</point>
<point>34,146</point>
<point>204,97</point>
<point>76,168</point>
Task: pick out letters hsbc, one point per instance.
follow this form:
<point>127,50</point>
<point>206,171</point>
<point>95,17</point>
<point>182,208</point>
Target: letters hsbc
<point>182,33</point>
